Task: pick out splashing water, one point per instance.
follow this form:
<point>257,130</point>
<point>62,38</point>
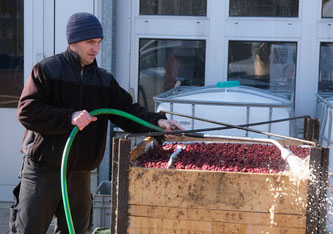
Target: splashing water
<point>278,189</point>
<point>329,202</point>
<point>298,169</point>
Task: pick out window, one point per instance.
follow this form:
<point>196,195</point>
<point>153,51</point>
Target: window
<point>173,7</point>
<point>11,52</point>
<point>326,67</point>
<point>165,63</point>
<point>327,8</point>
<point>263,64</point>
<point>268,8</point>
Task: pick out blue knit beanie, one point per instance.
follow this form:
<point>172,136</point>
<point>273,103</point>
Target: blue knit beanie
<point>83,26</point>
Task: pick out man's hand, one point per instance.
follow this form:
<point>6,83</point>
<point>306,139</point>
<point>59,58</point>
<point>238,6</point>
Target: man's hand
<point>170,125</point>
<point>82,118</point>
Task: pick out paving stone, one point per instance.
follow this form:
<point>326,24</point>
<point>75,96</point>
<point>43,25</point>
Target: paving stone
<point>4,216</point>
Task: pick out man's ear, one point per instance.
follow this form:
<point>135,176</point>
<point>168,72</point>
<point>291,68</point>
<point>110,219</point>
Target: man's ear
<point>73,46</point>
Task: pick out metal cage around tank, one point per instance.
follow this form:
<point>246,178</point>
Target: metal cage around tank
<point>324,112</point>
<point>170,99</point>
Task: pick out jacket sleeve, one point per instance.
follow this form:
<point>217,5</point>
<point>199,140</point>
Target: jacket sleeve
<point>122,100</point>
<point>34,109</point>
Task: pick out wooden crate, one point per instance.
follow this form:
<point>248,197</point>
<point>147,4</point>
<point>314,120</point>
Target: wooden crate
<point>151,200</point>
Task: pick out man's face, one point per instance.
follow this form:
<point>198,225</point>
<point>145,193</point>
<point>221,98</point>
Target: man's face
<point>87,50</point>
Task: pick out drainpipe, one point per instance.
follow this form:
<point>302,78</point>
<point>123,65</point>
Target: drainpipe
<point>105,12</point>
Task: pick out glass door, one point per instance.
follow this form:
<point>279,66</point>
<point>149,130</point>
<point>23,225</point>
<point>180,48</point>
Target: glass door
<point>11,84</point>
<point>167,47</point>
<point>166,63</point>
<point>265,65</point>
<point>11,52</point>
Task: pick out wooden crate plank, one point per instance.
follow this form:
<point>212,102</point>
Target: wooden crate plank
<point>154,231</point>
<point>313,199</point>
<point>323,189</point>
<point>114,184</point>
<point>122,185</point>
<point>255,218</point>
<point>140,148</point>
<point>139,224</point>
<point>216,190</point>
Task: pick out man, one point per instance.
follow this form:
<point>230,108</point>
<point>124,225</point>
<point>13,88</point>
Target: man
<point>60,93</point>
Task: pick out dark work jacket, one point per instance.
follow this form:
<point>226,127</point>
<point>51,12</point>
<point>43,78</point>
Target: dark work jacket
<point>56,88</point>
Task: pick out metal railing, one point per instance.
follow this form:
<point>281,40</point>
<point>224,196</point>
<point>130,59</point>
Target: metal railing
<point>324,112</point>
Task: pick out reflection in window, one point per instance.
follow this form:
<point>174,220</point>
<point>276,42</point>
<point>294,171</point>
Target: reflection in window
<point>173,7</point>
<point>165,64</point>
<point>11,52</point>
<point>268,8</point>
<point>326,67</point>
<point>265,65</point>
<point>327,8</point>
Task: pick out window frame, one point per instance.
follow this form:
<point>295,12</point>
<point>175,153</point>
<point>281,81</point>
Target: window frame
<point>170,39</point>
<point>269,17</point>
<point>14,74</point>
<point>149,22</point>
<point>205,15</point>
<point>296,90</point>
<point>320,42</point>
<point>322,11</point>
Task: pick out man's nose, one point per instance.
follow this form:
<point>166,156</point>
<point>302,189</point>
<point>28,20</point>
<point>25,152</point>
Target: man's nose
<point>96,48</point>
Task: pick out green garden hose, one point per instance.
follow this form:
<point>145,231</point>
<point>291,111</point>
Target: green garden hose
<point>67,148</point>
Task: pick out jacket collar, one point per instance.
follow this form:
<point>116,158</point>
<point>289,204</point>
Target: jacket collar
<point>74,59</point>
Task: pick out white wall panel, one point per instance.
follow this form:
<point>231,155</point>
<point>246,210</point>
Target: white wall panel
<point>161,26</point>
<point>63,10</point>
<point>123,43</point>
<point>262,28</point>
<point>11,130</point>
<point>307,60</point>
<point>11,159</point>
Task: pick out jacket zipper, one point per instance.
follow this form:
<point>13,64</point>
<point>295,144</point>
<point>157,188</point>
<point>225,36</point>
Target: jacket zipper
<point>80,107</point>
<point>81,87</point>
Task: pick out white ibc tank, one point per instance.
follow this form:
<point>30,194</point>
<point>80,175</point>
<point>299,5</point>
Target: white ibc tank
<point>324,111</point>
<point>235,105</point>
